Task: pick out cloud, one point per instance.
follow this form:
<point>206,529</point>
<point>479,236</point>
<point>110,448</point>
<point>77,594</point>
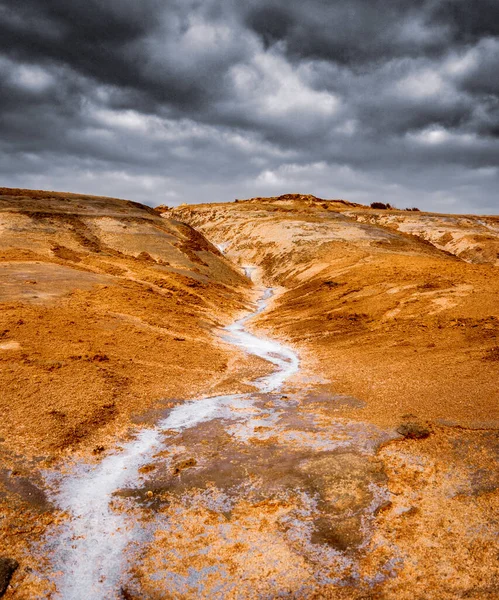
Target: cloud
<point>188,101</point>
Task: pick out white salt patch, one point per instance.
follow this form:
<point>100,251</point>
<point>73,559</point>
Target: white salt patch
<point>222,246</point>
<point>248,271</point>
<point>89,553</point>
<point>12,345</point>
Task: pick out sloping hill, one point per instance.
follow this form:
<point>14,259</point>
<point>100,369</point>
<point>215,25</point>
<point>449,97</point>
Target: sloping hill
<point>106,309</point>
<point>472,238</point>
<point>365,467</point>
<point>399,334</point>
<point>414,320</point>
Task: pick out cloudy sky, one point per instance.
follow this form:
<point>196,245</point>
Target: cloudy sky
<point>171,101</point>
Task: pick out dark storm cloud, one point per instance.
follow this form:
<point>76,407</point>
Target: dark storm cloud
<point>366,31</point>
<point>352,33</point>
<point>182,100</point>
<point>98,39</point>
<point>468,21</point>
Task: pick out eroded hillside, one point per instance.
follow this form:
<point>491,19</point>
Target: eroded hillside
<point>361,298</point>
<point>472,238</point>
<point>408,330</point>
<point>337,440</point>
<point>106,309</point>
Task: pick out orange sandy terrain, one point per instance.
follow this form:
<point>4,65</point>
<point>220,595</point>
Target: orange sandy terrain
<point>372,474</point>
<point>106,308</point>
<point>107,312</point>
<point>385,316</point>
<point>380,314</point>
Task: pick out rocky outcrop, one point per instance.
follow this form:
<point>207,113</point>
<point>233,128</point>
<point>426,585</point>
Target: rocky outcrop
<point>8,567</point>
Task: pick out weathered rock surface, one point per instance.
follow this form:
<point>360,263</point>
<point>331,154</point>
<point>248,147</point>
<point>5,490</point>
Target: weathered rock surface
<point>8,567</point>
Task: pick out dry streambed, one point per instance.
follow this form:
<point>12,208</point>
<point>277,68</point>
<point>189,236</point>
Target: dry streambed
<point>286,490</point>
<point>246,495</point>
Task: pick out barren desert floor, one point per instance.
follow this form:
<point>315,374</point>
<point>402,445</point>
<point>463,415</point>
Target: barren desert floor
<point>278,397</point>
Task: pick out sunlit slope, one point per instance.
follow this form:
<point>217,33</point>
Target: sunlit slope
<point>105,309</point>
<point>472,238</point>
<point>383,314</point>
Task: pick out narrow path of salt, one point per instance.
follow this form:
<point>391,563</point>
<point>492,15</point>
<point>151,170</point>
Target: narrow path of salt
<point>89,553</point>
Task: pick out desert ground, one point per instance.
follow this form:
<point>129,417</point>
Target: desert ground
<point>151,449</point>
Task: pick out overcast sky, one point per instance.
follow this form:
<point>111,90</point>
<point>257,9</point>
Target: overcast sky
<point>171,101</point>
